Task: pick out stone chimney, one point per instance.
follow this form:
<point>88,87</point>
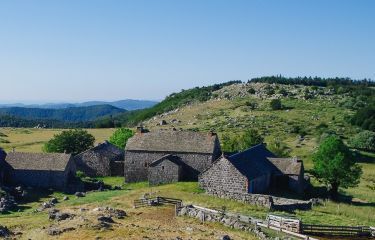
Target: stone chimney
<point>212,133</point>
<point>140,129</point>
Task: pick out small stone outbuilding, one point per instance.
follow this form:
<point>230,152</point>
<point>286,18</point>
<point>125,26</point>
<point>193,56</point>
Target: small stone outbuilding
<point>167,169</point>
<point>290,173</point>
<point>40,170</point>
<point>252,171</point>
<point>102,160</point>
<point>195,150</point>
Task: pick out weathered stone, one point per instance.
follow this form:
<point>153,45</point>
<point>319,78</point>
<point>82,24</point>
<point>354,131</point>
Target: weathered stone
<point>80,194</point>
<point>65,198</point>
<point>4,231</point>
<point>53,200</point>
<point>225,237</point>
<point>106,219</point>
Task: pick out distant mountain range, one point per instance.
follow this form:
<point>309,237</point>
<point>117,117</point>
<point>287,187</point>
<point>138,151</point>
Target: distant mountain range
<point>127,104</point>
<point>70,114</point>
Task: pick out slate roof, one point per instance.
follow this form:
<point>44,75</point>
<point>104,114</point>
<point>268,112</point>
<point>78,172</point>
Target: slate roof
<point>38,161</point>
<point>176,160</point>
<point>173,141</point>
<point>254,162</point>
<point>104,149</point>
<point>290,166</point>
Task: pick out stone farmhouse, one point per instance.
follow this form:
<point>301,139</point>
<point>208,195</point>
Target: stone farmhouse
<point>102,160</point>
<point>255,170</point>
<point>40,170</point>
<point>173,155</point>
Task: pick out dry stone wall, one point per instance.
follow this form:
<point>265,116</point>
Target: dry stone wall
<point>267,201</point>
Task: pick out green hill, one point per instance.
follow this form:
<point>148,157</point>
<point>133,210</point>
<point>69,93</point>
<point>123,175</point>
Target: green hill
<point>73,114</point>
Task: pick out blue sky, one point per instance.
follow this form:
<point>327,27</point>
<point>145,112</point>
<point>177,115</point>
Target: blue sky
<point>77,50</point>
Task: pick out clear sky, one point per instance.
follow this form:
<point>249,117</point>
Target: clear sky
<point>77,50</point>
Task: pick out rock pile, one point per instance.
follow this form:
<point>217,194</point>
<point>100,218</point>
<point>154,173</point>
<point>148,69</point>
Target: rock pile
<point>7,203</point>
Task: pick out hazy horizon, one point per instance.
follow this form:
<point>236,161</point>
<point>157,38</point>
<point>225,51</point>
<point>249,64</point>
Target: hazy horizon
<point>77,51</point>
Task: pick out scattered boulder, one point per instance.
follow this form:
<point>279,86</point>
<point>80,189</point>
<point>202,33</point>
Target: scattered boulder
<point>4,231</point>
<point>225,237</point>
<point>106,219</point>
<point>118,213</point>
<point>53,200</point>
<point>65,198</point>
<point>55,214</point>
<point>7,203</point>
<point>80,194</point>
<point>54,231</point>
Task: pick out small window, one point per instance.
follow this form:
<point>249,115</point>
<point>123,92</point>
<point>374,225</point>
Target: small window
<point>132,162</point>
<point>162,167</point>
<point>146,164</point>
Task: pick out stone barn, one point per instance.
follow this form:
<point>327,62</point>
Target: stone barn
<point>40,170</point>
<point>251,171</point>
<point>167,169</point>
<point>2,164</point>
<point>195,150</point>
<point>104,159</point>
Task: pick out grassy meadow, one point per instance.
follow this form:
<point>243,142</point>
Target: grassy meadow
<point>32,140</point>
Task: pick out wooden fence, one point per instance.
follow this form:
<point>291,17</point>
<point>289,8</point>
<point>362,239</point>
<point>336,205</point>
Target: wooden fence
<point>321,230</point>
<point>146,202</point>
<point>284,222</point>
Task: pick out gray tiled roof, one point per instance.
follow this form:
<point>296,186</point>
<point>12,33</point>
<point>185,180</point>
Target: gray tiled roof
<point>37,161</point>
<point>105,149</point>
<point>253,162</point>
<point>173,141</point>
<point>289,166</point>
<point>168,157</point>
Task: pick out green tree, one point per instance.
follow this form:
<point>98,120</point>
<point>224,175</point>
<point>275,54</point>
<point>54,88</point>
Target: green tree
<point>335,166</point>
<point>275,104</point>
<point>251,137</point>
<point>120,137</point>
<point>71,141</point>
<point>364,140</point>
<point>241,142</point>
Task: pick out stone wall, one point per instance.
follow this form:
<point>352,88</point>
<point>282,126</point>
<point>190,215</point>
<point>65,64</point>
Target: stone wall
<point>137,162</point>
<point>227,219</point>
<point>223,177</point>
<point>267,201</point>
<point>164,172</point>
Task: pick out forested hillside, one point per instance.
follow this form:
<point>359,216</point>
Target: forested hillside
<point>74,114</point>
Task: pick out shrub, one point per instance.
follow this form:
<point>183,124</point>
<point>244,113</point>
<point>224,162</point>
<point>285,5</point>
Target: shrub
<point>251,91</point>
<point>283,92</point>
<point>364,140</point>
<point>275,104</point>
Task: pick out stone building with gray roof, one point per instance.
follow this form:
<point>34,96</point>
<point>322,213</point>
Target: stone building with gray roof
<point>167,169</point>
<point>102,160</point>
<point>40,170</point>
<point>195,151</point>
<point>254,170</point>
